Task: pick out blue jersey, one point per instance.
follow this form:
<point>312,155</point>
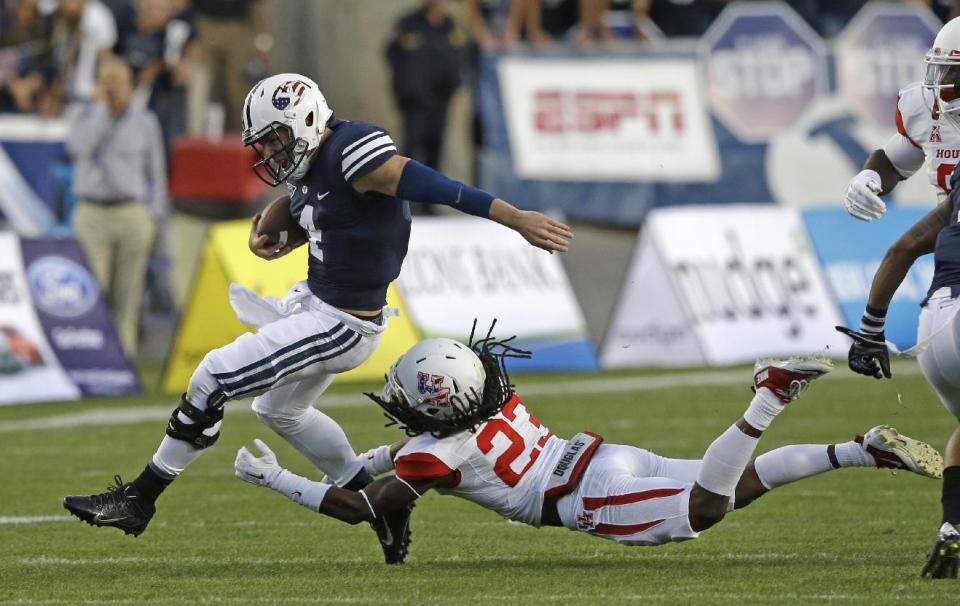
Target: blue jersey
<point>357,241</point>
<point>946,254</point>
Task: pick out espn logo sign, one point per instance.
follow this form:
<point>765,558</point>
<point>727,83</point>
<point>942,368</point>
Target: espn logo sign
<point>557,111</point>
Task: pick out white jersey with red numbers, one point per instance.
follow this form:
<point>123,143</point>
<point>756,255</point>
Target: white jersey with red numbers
<point>924,133</point>
<point>504,465</point>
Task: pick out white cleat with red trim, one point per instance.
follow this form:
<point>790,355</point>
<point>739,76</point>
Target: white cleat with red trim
<point>893,450</point>
<point>788,379</point>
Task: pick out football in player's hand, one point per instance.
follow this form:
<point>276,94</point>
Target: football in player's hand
<point>278,224</point>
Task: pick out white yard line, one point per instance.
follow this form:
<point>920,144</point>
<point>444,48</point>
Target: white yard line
<point>33,519</point>
<point>704,378</point>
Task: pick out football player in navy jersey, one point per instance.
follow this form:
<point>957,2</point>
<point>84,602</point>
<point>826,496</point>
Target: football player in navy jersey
<point>938,335</point>
<point>349,190</point>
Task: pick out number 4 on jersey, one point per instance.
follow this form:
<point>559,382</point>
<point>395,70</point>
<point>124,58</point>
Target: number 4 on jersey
<point>316,236</point>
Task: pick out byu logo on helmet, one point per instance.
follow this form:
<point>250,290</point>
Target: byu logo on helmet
<point>61,287</point>
<point>282,95</point>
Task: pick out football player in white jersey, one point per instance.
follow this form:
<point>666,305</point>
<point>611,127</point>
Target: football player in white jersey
<point>473,437</point>
<point>928,125</point>
<point>928,128</point>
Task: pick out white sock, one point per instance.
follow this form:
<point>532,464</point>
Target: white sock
<point>791,463</point>
<point>853,454</point>
<point>300,490</point>
<point>377,460</point>
<point>763,409</point>
<point>725,460</point>
<point>321,440</point>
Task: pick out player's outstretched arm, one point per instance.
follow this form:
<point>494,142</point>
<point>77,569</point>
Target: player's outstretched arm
<point>378,498</point>
<point>410,180</point>
<point>536,228</point>
<point>868,355</point>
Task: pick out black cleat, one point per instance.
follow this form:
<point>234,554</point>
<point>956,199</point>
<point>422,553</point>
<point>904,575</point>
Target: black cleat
<point>121,507</point>
<point>393,531</point>
<point>945,555</point>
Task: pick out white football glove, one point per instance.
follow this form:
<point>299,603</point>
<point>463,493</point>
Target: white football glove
<point>261,471</point>
<point>861,199</point>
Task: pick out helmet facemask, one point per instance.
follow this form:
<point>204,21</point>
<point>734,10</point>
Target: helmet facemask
<point>280,154</point>
<point>943,79</point>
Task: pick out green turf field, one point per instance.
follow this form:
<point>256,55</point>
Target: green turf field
<point>849,536</point>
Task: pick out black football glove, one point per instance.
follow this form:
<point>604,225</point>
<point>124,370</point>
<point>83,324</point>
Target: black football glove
<point>868,354</point>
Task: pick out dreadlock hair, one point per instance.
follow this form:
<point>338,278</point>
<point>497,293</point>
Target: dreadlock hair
<point>469,409</point>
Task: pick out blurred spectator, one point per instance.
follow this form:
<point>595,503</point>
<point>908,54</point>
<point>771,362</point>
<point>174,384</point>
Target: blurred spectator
<point>157,43</point>
<point>686,17</point>
<point>495,24</point>
<point>427,55</point>
<point>23,55</point>
<point>945,9</point>
<point>231,33</point>
<point>81,33</point>
<point>626,20</point>
<point>548,20</point>
<point>120,183</point>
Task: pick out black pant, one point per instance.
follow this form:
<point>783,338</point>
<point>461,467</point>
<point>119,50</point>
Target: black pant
<point>424,126</point>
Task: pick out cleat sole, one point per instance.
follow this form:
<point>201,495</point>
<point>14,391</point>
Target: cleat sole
<point>927,461</point>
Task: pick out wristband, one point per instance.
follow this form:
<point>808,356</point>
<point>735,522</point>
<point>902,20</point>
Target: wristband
<point>873,320</point>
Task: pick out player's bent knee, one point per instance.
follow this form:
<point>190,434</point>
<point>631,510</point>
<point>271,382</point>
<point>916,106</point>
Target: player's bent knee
<point>204,430</point>
<point>705,509</point>
<point>202,383</point>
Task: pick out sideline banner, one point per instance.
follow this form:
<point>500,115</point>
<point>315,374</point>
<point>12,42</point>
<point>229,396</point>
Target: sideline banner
<point>780,104</point>
<point>607,120</point>
<point>722,286</point>
<point>850,252</point>
<point>461,268</point>
<point>209,322</point>
<point>75,321</point>
<point>56,339</point>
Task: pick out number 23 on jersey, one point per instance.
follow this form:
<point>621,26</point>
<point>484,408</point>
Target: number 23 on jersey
<point>514,439</point>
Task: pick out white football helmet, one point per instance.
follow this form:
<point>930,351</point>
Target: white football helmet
<point>943,67</point>
<point>284,117</point>
<point>437,378</point>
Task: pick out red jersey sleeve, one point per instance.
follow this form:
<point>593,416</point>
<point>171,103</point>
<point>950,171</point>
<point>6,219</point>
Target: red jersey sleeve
<point>421,466</point>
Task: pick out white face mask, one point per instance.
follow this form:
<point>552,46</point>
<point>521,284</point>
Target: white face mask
<point>943,79</point>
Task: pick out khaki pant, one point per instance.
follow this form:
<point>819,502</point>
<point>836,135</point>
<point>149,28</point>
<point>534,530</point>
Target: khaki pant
<point>117,239</point>
<point>225,47</point>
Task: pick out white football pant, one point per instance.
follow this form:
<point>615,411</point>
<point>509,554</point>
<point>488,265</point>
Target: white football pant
<point>940,361</point>
<point>632,496</point>
<point>286,365</point>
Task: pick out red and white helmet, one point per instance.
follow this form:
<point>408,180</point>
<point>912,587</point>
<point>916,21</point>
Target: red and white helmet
<point>284,117</point>
<point>943,67</point>
<point>434,376</point>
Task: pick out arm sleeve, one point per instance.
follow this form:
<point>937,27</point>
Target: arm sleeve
<point>903,154</point>
<point>364,148</point>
